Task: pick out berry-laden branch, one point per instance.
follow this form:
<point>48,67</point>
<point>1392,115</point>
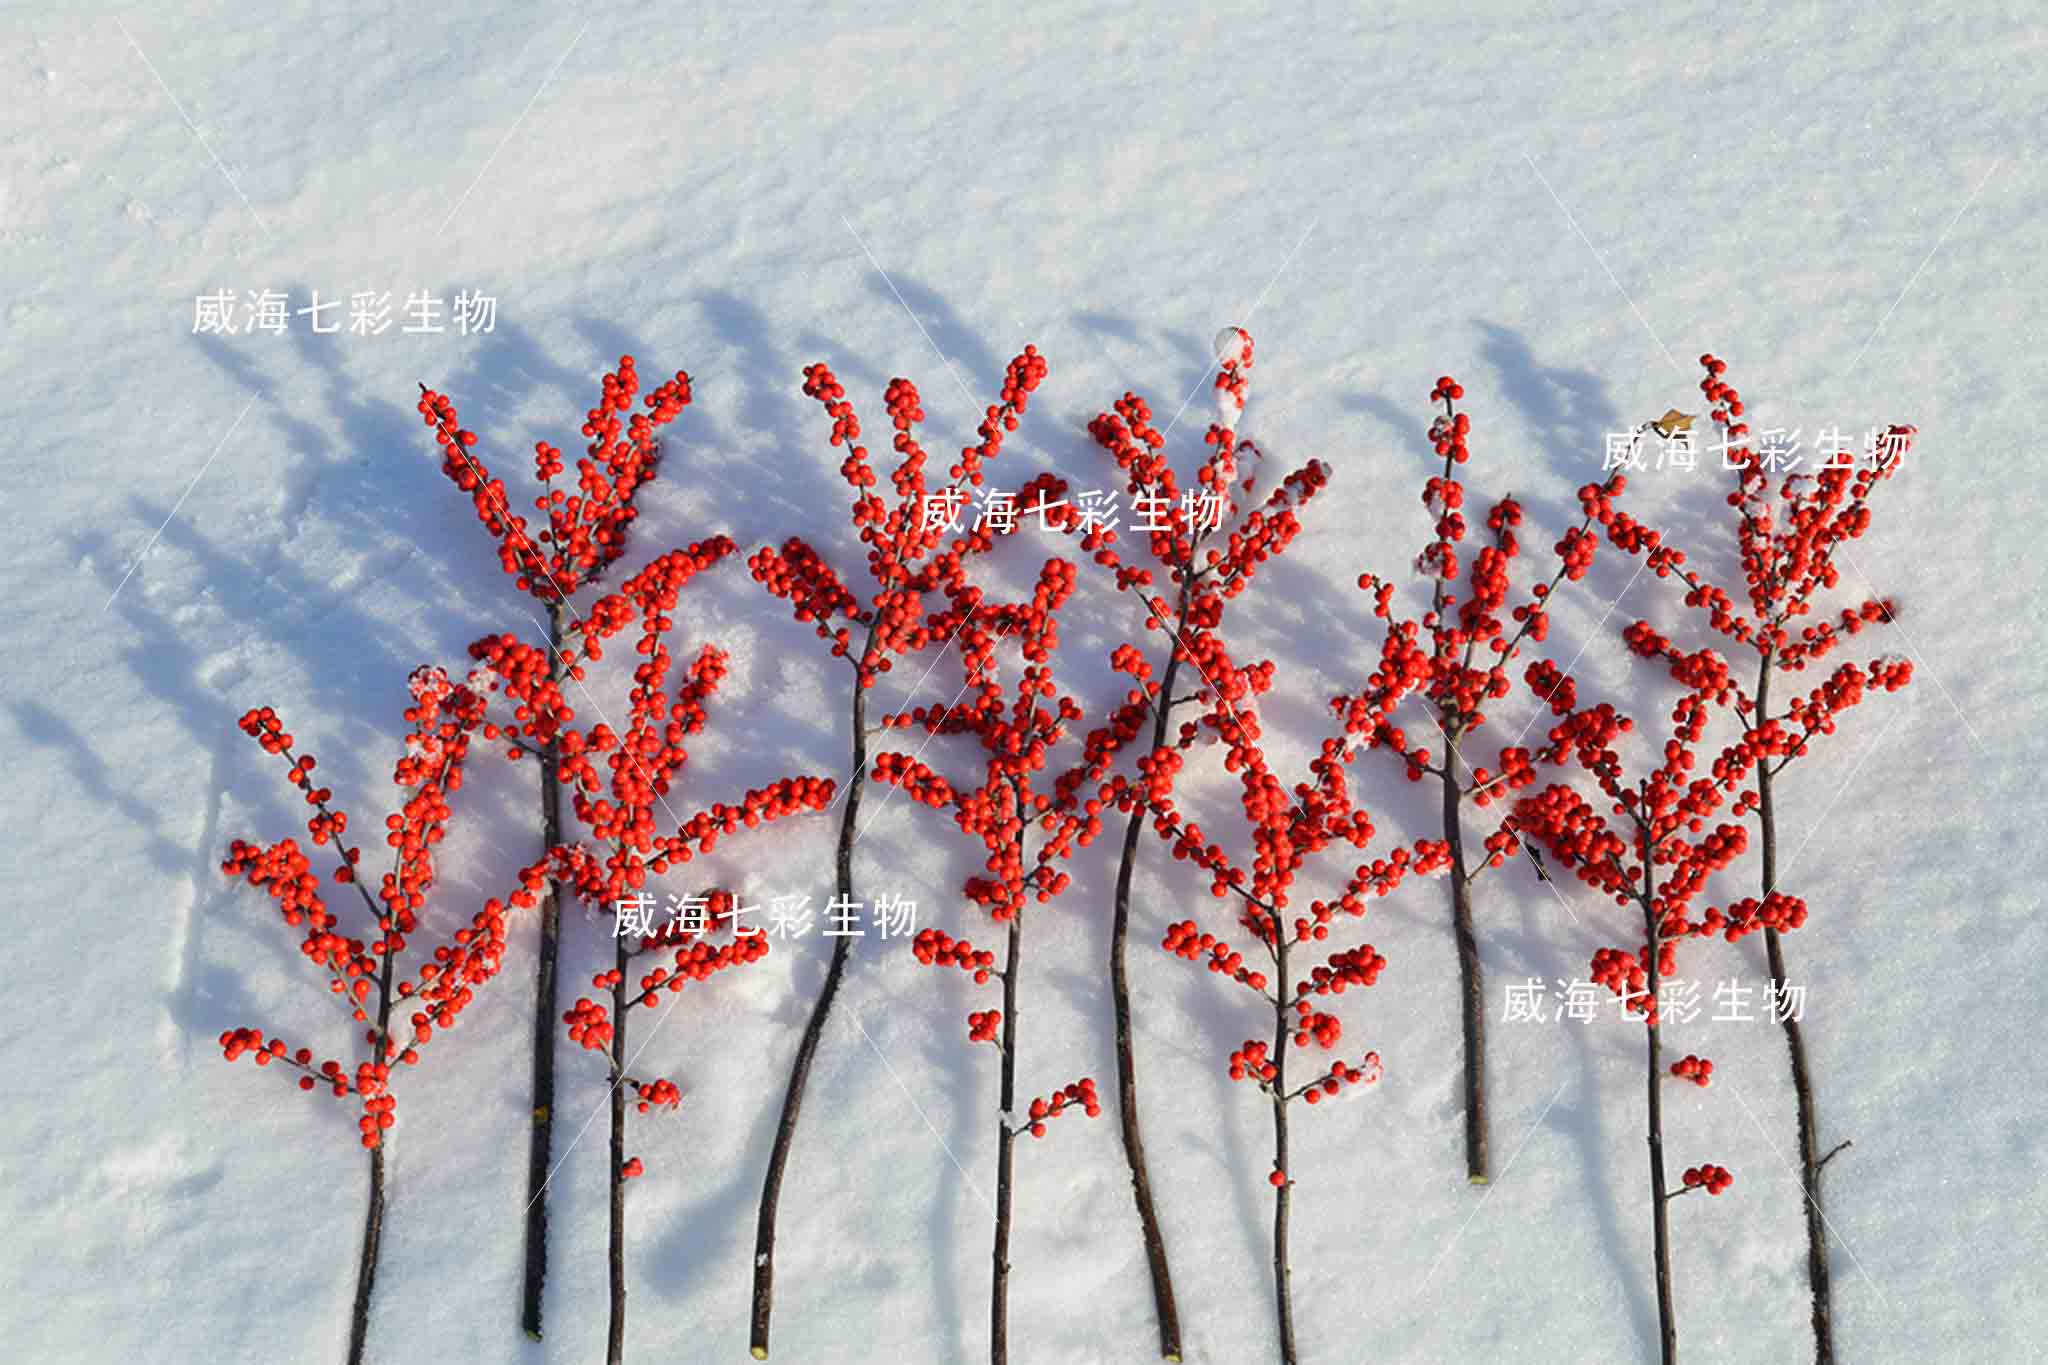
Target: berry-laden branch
<point>1457,657</point>
<point>1207,543</point>
<point>364,973</point>
<point>910,561</point>
<point>1787,532</point>
<point>622,814</point>
<point>585,535</point>
<point>1283,829</point>
<point>1000,813</point>
<point>1653,851</point>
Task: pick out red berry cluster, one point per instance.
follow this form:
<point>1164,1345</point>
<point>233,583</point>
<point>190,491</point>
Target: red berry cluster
<point>589,1023</point>
<point>1790,530</point>
<point>1698,1070</point>
<point>1360,966</point>
<point>1340,1075</point>
<point>1253,867</point>
<point>1471,636</point>
<point>1249,1062</point>
<point>644,761</point>
<point>656,1094</point>
<point>1016,740</point>
<point>364,973</point>
<point>1665,849</point>
<point>1185,939</point>
<point>620,784</point>
<point>1775,911</point>
<point>903,542</point>
<point>1312,1025</point>
<point>914,779</point>
<point>586,529</point>
<point>1079,1093</point>
<point>1214,558</point>
<point>1711,1178</point>
<point>934,947</point>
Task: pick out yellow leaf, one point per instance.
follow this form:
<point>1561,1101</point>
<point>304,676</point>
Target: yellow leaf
<point>1673,422</point>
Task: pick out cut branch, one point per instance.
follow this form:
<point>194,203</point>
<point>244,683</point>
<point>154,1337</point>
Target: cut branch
<point>807,1047</point>
<point>545,1015</point>
<point>1667,1319</point>
<point>366,1268</point>
<point>1006,1145</point>
<point>1818,1275</point>
<point>373,1213</point>
<point>615,1335</point>
<point>1471,984</point>
<point>1164,1306</point>
<point>1283,1271</point>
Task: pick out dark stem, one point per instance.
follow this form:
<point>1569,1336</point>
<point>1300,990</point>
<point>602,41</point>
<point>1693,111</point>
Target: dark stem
<point>1126,1059</point>
<point>373,1213</point>
<point>1283,1273</point>
<point>1471,985</point>
<point>1667,1319</point>
<point>1006,1146</point>
<point>615,1339</point>
<point>366,1269</point>
<point>540,1141</point>
<point>615,1349</point>
<point>1810,1162</point>
<point>807,1048</point>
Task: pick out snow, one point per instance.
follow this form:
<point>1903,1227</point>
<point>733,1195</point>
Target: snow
<point>1230,346</point>
<point>1233,348</point>
<point>1228,409</point>
<point>1559,208</point>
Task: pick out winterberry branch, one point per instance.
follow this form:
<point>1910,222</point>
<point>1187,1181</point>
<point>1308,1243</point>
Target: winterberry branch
<point>1283,831</point>
<point>1663,817</point>
<point>1016,742</point>
<point>1454,689</point>
<point>443,718</point>
<point>907,560</point>
<point>619,815</point>
<point>586,533</point>
<point>1208,542</point>
<point>1787,531</point>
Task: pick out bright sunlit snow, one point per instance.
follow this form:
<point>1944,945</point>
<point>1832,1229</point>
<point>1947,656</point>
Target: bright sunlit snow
<point>235,241</point>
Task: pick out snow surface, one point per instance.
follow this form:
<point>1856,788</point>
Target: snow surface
<point>1559,206</point>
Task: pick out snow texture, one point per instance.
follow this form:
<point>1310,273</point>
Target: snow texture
<point>1560,207</point>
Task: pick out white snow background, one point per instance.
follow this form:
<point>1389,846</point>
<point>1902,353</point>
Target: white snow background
<point>1561,206</point>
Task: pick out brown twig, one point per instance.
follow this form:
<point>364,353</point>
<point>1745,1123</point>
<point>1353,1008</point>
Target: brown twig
<point>615,1335</point>
<point>1818,1275</point>
<point>1164,1305</point>
<point>814,1030</point>
<point>1667,1318</point>
<point>1006,1143</point>
<point>541,1139</point>
<point>1471,982</point>
<point>1283,1270</point>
